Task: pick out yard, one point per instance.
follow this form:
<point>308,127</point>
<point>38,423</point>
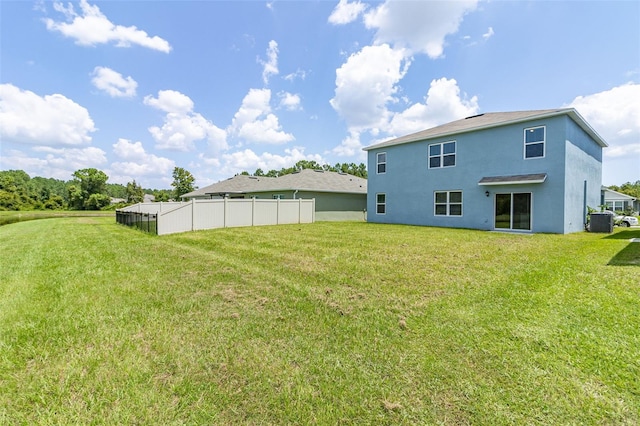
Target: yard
<point>326,323</point>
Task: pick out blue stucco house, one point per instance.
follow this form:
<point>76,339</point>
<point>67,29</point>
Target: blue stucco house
<point>523,171</point>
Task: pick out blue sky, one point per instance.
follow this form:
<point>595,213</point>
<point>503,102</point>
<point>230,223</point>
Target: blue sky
<point>136,88</point>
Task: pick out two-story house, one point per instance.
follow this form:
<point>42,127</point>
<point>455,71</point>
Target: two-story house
<point>524,171</point>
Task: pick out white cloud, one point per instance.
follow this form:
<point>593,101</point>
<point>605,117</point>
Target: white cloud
<point>114,83</point>
<point>182,127</point>
<point>419,26</point>
<point>443,103</point>
<point>73,158</point>
<point>615,115</point>
<point>137,163</point>
<point>270,66</point>
<point>488,34</point>
<point>366,83</point>
<point>290,101</point>
<point>346,12</point>
<point>58,163</point>
<point>301,74</point>
<point>350,146</point>
<point>249,161</point>
<point>50,120</point>
<point>255,123</point>
<point>170,101</point>
<point>91,27</point>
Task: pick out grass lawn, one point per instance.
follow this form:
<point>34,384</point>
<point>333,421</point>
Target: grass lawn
<point>327,323</point>
<point>8,217</point>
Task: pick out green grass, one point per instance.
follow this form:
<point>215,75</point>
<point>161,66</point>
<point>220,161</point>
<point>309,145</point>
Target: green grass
<point>328,323</point>
<point>12,216</point>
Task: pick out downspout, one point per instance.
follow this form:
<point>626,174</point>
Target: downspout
<point>294,194</point>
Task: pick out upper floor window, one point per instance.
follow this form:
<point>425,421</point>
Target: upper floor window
<point>382,162</point>
<point>534,139</point>
<point>442,154</point>
<point>448,203</point>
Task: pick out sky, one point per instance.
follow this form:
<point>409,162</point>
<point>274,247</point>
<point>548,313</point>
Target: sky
<point>137,88</point>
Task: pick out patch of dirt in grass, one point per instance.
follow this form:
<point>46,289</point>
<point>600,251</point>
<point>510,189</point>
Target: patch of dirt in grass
<point>448,408</point>
<point>391,406</point>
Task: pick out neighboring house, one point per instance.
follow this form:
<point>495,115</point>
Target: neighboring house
<point>618,202</point>
<point>339,196</point>
<point>117,200</point>
<point>527,171</point>
<point>149,198</point>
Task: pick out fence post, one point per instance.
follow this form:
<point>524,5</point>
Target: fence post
<point>299,210</point>
<point>253,211</point>
<point>224,213</point>
<point>278,212</point>
<point>193,214</point>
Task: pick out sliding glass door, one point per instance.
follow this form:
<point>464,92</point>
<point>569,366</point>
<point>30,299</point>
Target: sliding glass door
<point>513,211</point>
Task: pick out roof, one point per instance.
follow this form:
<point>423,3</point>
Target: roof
<point>303,180</point>
<point>514,179</point>
<point>490,120</point>
<point>617,195</point>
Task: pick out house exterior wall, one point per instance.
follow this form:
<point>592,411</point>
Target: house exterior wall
<point>330,206</point>
<point>409,184</point>
<point>583,176</point>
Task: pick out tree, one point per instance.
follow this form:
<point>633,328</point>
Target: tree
<point>359,170</point>
<point>97,201</point>
<point>629,188</point>
<point>182,182</point>
<point>14,191</point>
<point>134,193</point>
<point>161,194</point>
<point>87,183</point>
<point>116,190</point>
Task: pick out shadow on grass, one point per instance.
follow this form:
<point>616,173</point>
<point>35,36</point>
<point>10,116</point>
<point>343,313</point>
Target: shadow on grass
<point>628,256</point>
<point>624,235</point>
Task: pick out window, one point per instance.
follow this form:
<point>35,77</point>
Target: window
<point>442,154</point>
<point>278,196</point>
<point>534,138</point>
<point>381,203</point>
<point>382,162</point>
<point>616,206</point>
<point>448,203</point>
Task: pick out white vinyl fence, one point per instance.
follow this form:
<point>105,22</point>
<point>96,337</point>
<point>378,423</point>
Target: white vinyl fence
<point>221,213</point>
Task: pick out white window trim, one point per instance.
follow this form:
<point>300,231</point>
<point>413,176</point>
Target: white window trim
<point>512,229</point>
<point>381,204</point>
<point>442,154</point>
<point>449,203</point>
<point>543,142</point>
<point>378,162</point>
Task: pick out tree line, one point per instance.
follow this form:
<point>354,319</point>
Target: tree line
<point>630,188</point>
<point>87,190</point>
<point>359,170</point>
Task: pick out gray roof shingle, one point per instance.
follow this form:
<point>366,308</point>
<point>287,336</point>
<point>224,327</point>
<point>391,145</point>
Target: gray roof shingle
<point>304,180</point>
<point>488,120</point>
